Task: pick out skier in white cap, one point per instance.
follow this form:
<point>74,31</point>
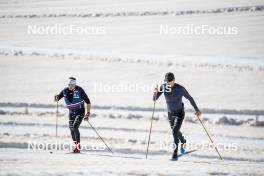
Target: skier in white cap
<point>75,99</point>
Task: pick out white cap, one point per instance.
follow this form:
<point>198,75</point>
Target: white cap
<point>72,81</point>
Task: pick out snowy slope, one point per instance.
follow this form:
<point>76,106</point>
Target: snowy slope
<point>211,86</point>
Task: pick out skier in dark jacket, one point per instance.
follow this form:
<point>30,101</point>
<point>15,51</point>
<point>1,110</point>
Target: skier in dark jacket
<point>75,99</point>
<point>173,93</point>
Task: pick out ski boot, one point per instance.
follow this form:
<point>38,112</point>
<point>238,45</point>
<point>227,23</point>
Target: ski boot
<point>182,149</point>
<point>77,148</point>
<point>175,155</point>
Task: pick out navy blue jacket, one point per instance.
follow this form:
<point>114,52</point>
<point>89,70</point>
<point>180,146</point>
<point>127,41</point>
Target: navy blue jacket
<point>174,96</point>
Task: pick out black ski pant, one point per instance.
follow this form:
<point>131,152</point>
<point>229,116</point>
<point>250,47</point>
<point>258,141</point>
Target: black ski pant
<point>75,120</point>
<point>176,119</point>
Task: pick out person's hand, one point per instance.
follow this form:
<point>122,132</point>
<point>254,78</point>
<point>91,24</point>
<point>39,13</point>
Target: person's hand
<point>155,88</point>
<point>56,98</point>
<point>155,91</point>
<point>198,113</point>
<point>87,115</point>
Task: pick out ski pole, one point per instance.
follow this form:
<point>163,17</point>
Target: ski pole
<point>150,129</point>
<point>210,138</point>
<point>100,137</point>
<point>57,116</point>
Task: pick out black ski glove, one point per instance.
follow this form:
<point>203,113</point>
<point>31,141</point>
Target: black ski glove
<point>86,117</point>
<point>56,98</point>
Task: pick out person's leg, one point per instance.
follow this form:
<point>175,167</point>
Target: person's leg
<point>76,124</point>
<point>171,120</point>
<point>71,121</point>
<point>179,116</point>
<point>181,137</point>
<point>183,143</point>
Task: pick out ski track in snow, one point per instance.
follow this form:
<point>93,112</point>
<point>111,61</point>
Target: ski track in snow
<point>140,14</point>
<point>250,143</point>
<point>224,62</point>
<point>103,164</point>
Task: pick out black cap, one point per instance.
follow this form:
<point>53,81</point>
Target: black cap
<point>72,78</point>
<point>169,77</point>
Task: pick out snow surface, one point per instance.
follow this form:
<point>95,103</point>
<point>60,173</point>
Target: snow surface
<point>127,138</point>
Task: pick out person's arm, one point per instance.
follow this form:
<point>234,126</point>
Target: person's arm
<point>58,97</point>
<point>88,103</point>
<point>157,92</point>
<point>191,100</point>
<point>88,108</point>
